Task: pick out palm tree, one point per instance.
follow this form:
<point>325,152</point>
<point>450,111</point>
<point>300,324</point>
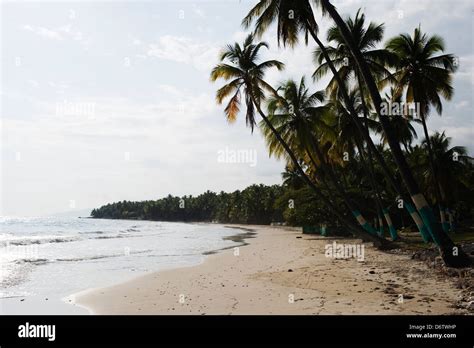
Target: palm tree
<point>450,164</point>
<point>451,254</point>
<point>298,118</point>
<point>423,76</point>
<point>366,39</point>
<point>239,64</point>
<point>292,178</point>
<point>348,140</point>
<point>402,126</point>
<point>294,17</point>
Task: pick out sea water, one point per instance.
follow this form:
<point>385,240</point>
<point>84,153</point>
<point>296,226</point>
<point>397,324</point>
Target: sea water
<point>45,259</point>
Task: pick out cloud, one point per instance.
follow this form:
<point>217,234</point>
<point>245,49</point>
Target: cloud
<point>60,33</point>
<point>466,69</point>
<point>462,136</point>
<point>44,32</point>
<point>185,50</point>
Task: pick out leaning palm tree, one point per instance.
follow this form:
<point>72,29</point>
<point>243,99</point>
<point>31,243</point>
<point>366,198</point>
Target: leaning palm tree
<point>451,254</point>
<point>366,38</point>
<point>295,16</point>
<point>401,123</point>
<point>450,164</point>
<point>298,116</point>
<point>423,77</point>
<point>349,140</point>
<point>240,65</point>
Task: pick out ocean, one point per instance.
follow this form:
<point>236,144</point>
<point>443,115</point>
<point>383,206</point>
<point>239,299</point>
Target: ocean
<point>43,260</point>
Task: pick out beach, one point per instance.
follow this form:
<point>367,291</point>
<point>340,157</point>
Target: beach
<point>282,271</point>
<point>43,260</point>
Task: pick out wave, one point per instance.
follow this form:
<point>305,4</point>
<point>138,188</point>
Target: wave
<point>41,261</point>
<point>87,258</point>
<point>110,237</point>
<point>37,240</point>
<point>10,240</point>
<point>32,261</point>
<point>91,232</point>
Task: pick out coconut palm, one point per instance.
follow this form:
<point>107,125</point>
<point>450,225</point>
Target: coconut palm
<point>450,164</point>
<point>402,123</point>
<point>240,65</point>
<point>292,178</point>
<point>423,77</point>
<point>298,117</point>
<point>452,255</point>
<point>348,140</point>
<point>294,17</point>
<point>366,38</point>
<point>341,58</point>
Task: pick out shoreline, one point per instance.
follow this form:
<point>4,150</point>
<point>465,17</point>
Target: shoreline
<point>281,271</point>
<point>239,238</point>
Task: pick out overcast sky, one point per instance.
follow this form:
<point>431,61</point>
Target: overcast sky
<point>106,101</point>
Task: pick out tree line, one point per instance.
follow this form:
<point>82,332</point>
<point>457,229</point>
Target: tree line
<point>257,204</point>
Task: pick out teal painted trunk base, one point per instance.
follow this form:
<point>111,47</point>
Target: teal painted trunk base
<point>425,234</point>
<point>429,220</point>
<point>365,225</point>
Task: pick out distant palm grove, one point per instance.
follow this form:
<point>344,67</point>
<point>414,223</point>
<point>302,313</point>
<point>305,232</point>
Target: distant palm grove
<point>254,205</point>
<point>353,158</point>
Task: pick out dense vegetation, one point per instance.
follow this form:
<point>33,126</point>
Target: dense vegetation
<point>254,205</point>
<point>257,204</point>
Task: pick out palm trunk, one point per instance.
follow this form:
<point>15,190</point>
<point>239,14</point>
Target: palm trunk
<point>371,170</point>
<point>378,200</point>
<point>434,174</point>
<point>360,127</point>
<point>386,214</point>
<point>313,162</point>
<point>451,254</point>
<point>332,176</point>
<point>378,242</point>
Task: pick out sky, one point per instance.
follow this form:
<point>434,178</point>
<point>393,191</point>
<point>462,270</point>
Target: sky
<point>111,100</point>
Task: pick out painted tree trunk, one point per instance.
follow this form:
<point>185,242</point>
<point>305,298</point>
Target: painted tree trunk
<point>452,255</point>
<point>357,231</point>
